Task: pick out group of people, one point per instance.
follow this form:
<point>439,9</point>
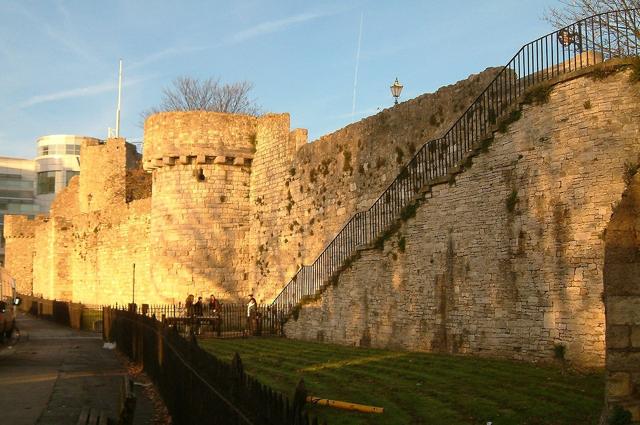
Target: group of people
<point>197,309</point>
<point>211,310</point>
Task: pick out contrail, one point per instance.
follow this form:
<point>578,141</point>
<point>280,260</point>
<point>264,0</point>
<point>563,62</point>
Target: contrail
<point>355,77</point>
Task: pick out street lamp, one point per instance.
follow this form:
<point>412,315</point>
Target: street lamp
<point>396,89</point>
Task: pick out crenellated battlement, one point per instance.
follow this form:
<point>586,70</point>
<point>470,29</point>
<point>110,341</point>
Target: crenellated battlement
<point>171,160</point>
<point>198,137</point>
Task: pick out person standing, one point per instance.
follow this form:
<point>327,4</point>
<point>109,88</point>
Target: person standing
<point>188,306</point>
<point>252,308</point>
<point>214,312</point>
<point>197,312</point>
<point>188,312</point>
<point>197,308</point>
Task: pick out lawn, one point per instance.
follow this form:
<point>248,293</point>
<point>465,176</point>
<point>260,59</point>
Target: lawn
<point>419,388</point>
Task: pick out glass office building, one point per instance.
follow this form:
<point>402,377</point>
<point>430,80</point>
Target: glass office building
<point>28,187</point>
<point>57,162</point>
<point>17,180</point>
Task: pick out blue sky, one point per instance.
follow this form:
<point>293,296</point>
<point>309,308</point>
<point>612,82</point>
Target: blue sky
<point>59,58</point>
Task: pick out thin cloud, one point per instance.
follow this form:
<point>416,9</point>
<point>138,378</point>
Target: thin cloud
<point>272,26</point>
<point>75,93</point>
<point>168,52</point>
<point>263,28</point>
<point>68,42</point>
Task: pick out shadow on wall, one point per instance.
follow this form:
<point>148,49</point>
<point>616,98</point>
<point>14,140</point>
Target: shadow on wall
<point>622,301</point>
<point>487,272</point>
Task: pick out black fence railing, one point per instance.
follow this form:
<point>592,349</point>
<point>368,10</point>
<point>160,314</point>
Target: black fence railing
<point>227,320</point>
<point>196,386</point>
<point>585,43</point>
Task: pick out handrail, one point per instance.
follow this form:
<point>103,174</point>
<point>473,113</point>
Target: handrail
<point>582,44</point>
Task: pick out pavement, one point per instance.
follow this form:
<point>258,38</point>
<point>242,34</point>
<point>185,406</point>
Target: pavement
<point>52,372</point>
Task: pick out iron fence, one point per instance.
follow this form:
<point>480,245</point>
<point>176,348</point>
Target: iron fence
<point>196,386</point>
<point>227,320</point>
<point>585,43</point>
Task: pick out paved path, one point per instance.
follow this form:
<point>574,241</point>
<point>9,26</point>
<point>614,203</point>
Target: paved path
<point>53,371</point>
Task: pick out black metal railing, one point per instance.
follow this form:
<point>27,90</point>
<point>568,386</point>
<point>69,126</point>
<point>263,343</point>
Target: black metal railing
<point>585,43</point>
<point>196,386</point>
<point>226,320</point>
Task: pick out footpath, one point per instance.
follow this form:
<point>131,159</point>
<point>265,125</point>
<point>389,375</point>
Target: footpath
<point>52,372</point>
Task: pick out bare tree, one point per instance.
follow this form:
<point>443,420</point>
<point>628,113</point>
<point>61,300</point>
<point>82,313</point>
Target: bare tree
<point>611,33</point>
<point>192,94</point>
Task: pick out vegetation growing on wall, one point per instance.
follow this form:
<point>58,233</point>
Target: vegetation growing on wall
<point>512,200</point>
<point>138,184</point>
<point>346,167</point>
<point>635,70</point>
<point>538,95</point>
<point>602,71</point>
<point>484,144</point>
<point>505,122</point>
<point>630,170</point>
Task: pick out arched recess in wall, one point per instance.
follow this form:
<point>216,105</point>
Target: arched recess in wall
<point>622,303</point>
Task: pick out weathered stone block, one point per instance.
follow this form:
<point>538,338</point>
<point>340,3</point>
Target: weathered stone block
<point>623,310</point>
<point>622,361</point>
<point>618,336</point>
<point>623,278</point>
<point>635,336</point>
<point>618,385</point>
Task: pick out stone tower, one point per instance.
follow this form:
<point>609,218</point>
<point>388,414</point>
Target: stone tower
<point>201,165</point>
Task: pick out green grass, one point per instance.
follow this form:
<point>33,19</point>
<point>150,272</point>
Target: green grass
<point>420,388</point>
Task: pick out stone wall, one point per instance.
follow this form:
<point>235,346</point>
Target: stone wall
<point>111,256</point>
<point>85,250</point>
<point>238,203</point>
<point>201,209</point>
<point>104,166</point>
<point>508,259</point>
<point>622,302</point>
<point>302,198</point>
<point>19,232</point>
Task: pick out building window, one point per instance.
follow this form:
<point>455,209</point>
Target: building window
<point>69,175</point>
<point>46,182</point>
<point>59,150</point>
<point>72,149</point>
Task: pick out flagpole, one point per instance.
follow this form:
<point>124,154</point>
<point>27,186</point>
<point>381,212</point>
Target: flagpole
<point>119,99</point>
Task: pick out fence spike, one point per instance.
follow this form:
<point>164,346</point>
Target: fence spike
<point>236,365</point>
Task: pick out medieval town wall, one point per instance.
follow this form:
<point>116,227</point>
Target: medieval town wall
<point>96,230</point>
<point>622,301</point>
<point>507,259</point>
<point>19,233</point>
<point>303,193</point>
<point>238,203</point>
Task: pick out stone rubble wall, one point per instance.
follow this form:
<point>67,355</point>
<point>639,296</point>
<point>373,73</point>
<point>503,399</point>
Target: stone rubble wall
<point>622,302</point>
<point>19,233</point>
<point>107,245</point>
<point>104,168</point>
<point>238,203</point>
<point>302,198</point>
<point>508,260</point>
<point>85,250</point>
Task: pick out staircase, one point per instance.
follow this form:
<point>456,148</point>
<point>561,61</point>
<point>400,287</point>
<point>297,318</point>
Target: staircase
<point>592,40</point>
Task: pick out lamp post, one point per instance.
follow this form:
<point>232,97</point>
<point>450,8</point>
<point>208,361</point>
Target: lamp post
<point>396,89</point>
